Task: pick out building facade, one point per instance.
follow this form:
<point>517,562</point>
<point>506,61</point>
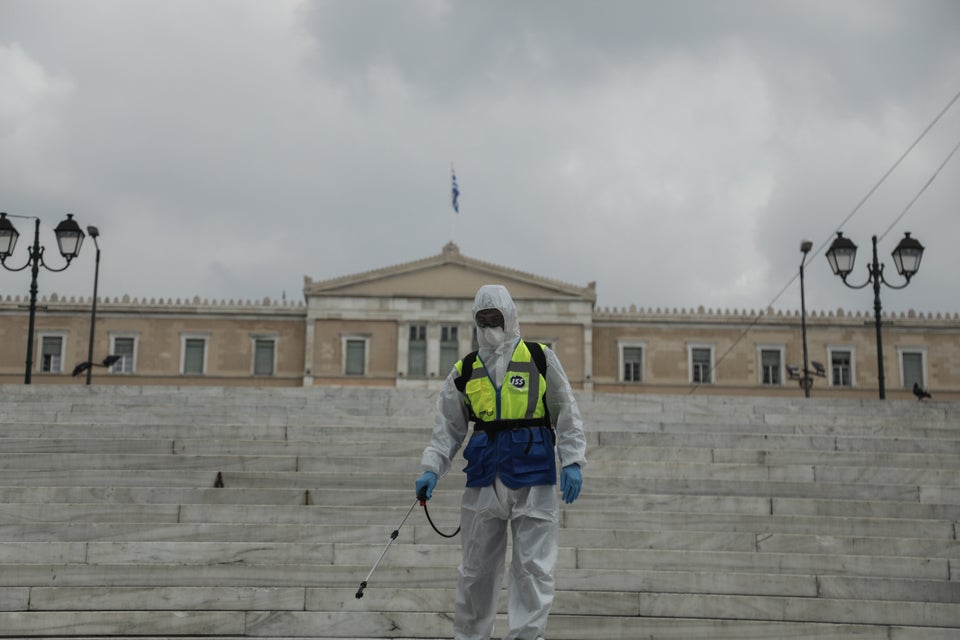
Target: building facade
<point>406,325</point>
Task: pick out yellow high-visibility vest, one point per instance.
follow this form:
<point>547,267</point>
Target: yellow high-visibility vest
<point>512,435</point>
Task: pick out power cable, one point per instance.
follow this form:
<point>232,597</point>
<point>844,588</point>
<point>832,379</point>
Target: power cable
<point>895,165</point>
<point>860,204</point>
<point>920,193</point>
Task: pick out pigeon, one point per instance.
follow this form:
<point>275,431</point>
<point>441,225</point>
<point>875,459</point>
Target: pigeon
<point>80,368</point>
<point>108,362</point>
<point>920,393</point>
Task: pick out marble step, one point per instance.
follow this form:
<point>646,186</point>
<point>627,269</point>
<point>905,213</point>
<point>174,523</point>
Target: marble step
<point>417,531</point>
<point>397,497</point>
<point>163,495</point>
<point>168,432</point>
<point>324,496</point>
<point>411,410</point>
<point>105,586</point>
<point>406,450</point>
<point>397,400</point>
<point>633,454</point>
<point>810,525</point>
<point>610,484</point>
<point>570,518</point>
<point>22,624</point>
<point>864,508</point>
<point>141,636</point>
<point>118,479</point>
<point>670,605</point>
<point>19,513</point>
<point>394,401</point>
<point>68,461</point>
<point>837,458</point>
<point>757,471</point>
<point>145,554</point>
<point>125,478</point>
<point>367,625</point>
<point>426,600</point>
<point>411,449</point>
<point>778,442</point>
<point>390,576</point>
<point>796,427</point>
<point>570,581</point>
<point>931,614</point>
<point>233,421</point>
<point>572,627</point>
<point>389,465</point>
<point>201,532</point>
<point>176,598</point>
<point>169,461</point>
<point>909,442</point>
<point>764,562</point>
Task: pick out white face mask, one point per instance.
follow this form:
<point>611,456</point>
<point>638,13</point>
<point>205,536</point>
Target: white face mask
<point>493,335</point>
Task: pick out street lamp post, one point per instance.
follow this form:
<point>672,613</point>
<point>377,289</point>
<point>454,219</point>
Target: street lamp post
<point>806,381</point>
<point>906,258</point>
<point>69,238</point>
<point>94,234</point>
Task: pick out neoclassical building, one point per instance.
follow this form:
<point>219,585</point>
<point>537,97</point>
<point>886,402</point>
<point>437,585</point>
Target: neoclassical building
<point>405,325</point>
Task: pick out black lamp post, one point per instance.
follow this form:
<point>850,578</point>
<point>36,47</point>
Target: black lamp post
<point>94,233</point>
<point>69,238</point>
<point>806,381</point>
<point>805,377</point>
<point>906,257</point>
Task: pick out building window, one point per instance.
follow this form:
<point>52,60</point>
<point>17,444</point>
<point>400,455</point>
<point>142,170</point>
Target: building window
<point>355,356</point>
<point>125,347</point>
<point>194,355</point>
<point>631,358</point>
<point>912,368</point>
<point>771,366</point>
<point>841,368</point>
<point>52,348</point>
<point>264,356</point>
<point>449,347</point>
<point>417,351</point>
<point>701,364</point>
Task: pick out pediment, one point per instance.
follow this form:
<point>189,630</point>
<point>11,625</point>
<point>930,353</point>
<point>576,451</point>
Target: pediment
<point>447,275</point>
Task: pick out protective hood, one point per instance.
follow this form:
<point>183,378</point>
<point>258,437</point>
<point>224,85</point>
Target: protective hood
<point>495,296</point>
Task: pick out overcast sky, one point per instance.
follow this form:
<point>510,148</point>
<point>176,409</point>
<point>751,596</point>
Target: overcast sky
<point>674,152</point>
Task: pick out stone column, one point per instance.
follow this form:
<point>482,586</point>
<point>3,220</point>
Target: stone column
<point>308,352</point>
<point>588,357</point>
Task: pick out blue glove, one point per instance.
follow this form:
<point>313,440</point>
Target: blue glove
<point>426,482</point>
<point>570,482</point>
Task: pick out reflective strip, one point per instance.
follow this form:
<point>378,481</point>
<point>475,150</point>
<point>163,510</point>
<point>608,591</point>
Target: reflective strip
<point>533,393</point>
<point>478,372</point>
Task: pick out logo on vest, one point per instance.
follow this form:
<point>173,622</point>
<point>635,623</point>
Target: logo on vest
<point>518,382</point>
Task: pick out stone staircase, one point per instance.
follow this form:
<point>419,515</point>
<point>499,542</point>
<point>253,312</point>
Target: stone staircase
<point>158,512</point>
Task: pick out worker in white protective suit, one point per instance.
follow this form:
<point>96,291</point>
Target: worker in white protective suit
<point>525,416</point>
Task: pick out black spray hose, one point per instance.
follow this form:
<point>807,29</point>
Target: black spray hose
<point>423,503</point>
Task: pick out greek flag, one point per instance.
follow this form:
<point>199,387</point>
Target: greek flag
<point>455,192</point>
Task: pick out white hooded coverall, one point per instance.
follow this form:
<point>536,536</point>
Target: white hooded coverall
<point>532,512</point>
